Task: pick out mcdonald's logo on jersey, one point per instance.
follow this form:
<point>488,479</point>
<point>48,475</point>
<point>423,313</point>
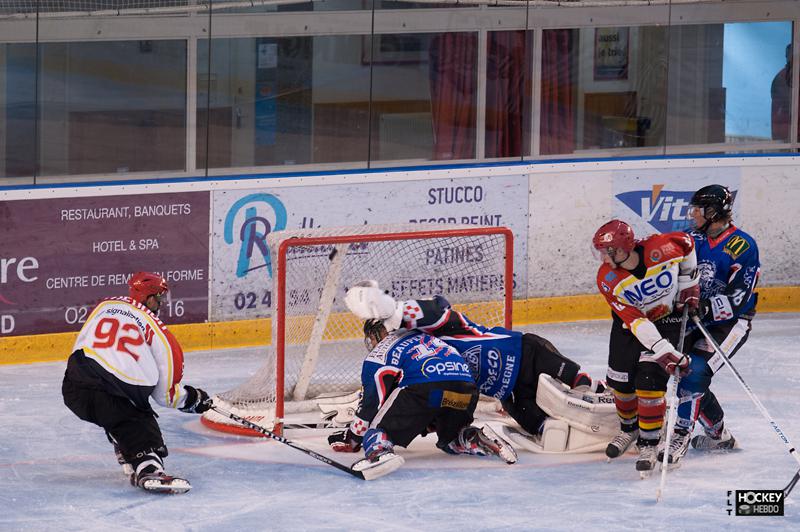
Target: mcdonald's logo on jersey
<point>735,246</point>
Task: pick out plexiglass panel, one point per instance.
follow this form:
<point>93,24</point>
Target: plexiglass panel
<point>509,69</point>
<point>18,113</point>
<point>112,107</point>
<point>282,101</point>
<point>729,83</point>
<point>424,97</point>
<point>603,88</point>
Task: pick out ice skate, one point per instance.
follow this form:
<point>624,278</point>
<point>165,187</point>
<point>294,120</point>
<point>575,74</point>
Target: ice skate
<point>677,448</point>
<point>704,442</point>
<point>159,482</point>
<point>584,383</point>
<point>647,460</point>
<point>481,442</point>
<point>492,444</point>
<point>621,443</point>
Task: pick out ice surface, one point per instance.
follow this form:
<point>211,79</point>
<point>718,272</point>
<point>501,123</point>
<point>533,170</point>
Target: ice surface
<point>59,473</point>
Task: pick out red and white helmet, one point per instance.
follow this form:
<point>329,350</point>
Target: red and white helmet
<point>615,234</point>
<point>145,284</point>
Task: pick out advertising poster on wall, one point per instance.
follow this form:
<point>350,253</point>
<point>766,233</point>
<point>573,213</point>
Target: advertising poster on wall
<point>657,201</point>
<point>242,267</point>
<point>61,256</point>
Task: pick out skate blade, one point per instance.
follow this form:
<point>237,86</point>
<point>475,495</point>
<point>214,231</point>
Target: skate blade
<point>643,475</point>
<point>500,447</point>
<point>174,487</point>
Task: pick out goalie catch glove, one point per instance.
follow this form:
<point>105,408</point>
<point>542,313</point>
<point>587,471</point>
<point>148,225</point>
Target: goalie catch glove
<point>344,441</point>
<point>368,302</point>
<point>665,355</point>
<point>197,401</point>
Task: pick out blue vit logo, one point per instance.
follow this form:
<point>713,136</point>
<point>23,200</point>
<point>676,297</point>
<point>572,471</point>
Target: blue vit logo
<point>665,210</point>
<point>254,230</point>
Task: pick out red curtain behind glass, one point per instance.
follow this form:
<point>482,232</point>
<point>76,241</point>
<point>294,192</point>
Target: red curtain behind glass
<point>558,102</point>
<point>453,79</point>
<point>505,93</point>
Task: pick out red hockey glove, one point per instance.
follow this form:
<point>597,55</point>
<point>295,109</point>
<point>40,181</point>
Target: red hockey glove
<point>345,441</point>
<point>665,355</point>
<point>689,296</point>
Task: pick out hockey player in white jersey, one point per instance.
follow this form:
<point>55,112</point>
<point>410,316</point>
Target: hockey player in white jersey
<point>124,355</point>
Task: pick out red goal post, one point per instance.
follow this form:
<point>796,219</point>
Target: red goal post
<point>317,345</point>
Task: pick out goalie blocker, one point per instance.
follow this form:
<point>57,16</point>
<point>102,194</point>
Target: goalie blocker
<point>577,423</point>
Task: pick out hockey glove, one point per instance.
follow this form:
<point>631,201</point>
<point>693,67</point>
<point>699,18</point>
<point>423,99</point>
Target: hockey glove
<point>665,355</point>
<point>197,401</point>
<point>690,297</point>
<point>703,308</point>
<point>344,441</point>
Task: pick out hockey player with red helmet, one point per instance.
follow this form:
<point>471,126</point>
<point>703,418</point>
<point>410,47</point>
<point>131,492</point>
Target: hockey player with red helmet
<point>124,355</point>
<point>646,283</point>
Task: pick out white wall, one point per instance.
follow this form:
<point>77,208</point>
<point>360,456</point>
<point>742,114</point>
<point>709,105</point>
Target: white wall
<point>566,203</point>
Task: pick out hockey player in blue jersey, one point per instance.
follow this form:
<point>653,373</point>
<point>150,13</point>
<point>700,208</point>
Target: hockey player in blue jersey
<point>414,383</point>
<point>728,263</point>
<point>506,364</point>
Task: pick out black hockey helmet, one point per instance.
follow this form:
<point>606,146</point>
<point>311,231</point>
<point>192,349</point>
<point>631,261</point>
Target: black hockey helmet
<point>374,332</point>
<point>716,202</point>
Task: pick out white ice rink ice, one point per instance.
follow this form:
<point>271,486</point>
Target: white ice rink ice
<point>59,473</point>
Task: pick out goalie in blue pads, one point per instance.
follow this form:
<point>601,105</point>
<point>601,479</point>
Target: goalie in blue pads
<point>413,384</point>
<point>506,365</point>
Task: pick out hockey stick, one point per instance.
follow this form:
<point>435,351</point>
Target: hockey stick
<point>784,438</point>
<point>270,434</point>
<point>672,393</point>
<point>323,424</point>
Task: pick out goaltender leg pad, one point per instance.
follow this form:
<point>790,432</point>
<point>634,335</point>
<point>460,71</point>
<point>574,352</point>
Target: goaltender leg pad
<point>579,422</point>
<point>594,413</point>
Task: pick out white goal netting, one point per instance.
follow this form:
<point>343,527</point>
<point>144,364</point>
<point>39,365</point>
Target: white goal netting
<point>317,345</point>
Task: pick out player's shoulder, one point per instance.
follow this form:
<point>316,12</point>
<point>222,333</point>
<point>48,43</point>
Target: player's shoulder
<point>679,238</point>
<point>124,306</point>
<point>738,244</point>
<point>396,343</point>
<point>608,277</point>
<point>666,246</point>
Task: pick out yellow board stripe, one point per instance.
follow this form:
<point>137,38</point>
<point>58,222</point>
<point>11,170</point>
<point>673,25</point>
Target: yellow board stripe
<point>251,333</point>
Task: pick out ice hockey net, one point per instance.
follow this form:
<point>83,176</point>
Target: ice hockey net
<point>317,345</point>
